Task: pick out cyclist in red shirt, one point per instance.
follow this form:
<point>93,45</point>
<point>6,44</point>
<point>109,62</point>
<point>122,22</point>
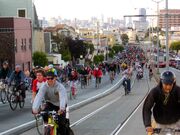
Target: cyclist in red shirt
<point>37,83</point>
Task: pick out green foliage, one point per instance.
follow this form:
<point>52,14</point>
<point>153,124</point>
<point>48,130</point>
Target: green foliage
<point>101,58</point>
<point>89,46</point>
<point>40,59</point>
<point>98,58</point>
<point>118,48</point>
<point>67,57</point>
<point>124,38</point>
<point>111,54</point>
<point>175,46</point>
<point>74,48</point>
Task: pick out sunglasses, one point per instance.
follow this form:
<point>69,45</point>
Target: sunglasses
<point>50,78</point>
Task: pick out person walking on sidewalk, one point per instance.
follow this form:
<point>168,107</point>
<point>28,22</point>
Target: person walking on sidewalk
<point>164,101</point>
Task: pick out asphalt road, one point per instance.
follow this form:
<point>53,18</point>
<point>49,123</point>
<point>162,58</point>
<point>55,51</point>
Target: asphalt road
<point>11,119</point>
<point>104,115</point>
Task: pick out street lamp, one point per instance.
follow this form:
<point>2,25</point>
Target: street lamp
<point>157,2</point>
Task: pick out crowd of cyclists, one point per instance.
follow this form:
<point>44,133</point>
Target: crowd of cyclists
<point>49,83</point>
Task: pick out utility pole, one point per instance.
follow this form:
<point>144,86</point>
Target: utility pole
<point>98,38</point>
<point>157,30</point>
<point>167,38</point>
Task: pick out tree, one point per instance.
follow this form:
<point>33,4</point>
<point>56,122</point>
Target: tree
<point>118,48</point>
<point>40,59</point>
<point>125,39</point>
<point>96,59</point>
<point>175,46</point>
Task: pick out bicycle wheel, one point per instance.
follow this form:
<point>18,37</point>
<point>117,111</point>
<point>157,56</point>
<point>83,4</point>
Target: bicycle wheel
<point>70,94</point>
<point>3,96</point>
<point>48,130</point>
<point>21,101</point>
<point>39,125</point>
<point>13,102</point>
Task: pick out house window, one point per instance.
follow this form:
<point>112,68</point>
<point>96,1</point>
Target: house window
<point>21,12</point>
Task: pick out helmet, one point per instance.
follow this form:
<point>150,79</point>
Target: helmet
<point>168,77</point>
<point>50,66</point>
<point>5,63</point>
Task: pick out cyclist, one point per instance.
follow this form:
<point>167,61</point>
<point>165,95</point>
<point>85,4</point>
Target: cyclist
<point>97,74</point>
<point>139,70</point>
<point>150,72</point>
<point>52,69</point>
<point>164,101</point>
<point>127,77</point>
<point>55,95</point>
<point>5,72</point>
<point>18,77</point>
<point>112,71</point>
<point>37,83</point>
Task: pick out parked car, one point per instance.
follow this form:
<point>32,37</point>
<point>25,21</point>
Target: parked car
<point>162,64</point>
<point>172,63</point>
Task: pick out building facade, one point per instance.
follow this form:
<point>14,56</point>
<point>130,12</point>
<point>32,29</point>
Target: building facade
<point>25,9</point>
<point>15,39</point>
<point>173,19</point>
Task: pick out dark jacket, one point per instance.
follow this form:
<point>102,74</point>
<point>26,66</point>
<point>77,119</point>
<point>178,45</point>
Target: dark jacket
<point>17,77</point>
<point>5,73</point>
<point>168,113</point>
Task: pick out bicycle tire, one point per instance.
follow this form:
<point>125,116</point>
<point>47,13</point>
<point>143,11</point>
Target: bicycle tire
<point>3,96</point>
<point>21,102</point>
<point>13,102</point>
<point>8,96</point>
<point>39,125</point>
<point>70,94</point>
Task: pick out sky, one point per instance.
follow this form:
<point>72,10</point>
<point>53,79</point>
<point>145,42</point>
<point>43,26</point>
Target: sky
<point>85,9</point>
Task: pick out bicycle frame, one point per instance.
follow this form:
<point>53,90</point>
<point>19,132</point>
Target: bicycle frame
<point>53,125</point>
<point>50,128</point>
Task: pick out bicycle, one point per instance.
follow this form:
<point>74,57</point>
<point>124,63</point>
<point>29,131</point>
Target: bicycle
<point>125,87</point>
<point>97,82</point>
<point>83,81</point>
<point>4,93</point>
<point>111,74</point>
<point>164,131</point>
<point>16,97</point>
<point>51,127</point>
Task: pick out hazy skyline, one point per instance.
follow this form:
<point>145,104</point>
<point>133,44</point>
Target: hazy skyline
<point>83,9</point>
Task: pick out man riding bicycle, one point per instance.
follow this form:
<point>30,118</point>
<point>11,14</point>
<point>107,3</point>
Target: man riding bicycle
<point>164,101</point>
<point>18,77</point>
<point>5,71</point>
<point>127,77</point>
<point>55,96</point>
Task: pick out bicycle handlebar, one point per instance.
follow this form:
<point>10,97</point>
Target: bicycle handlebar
<point>171,130</point>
